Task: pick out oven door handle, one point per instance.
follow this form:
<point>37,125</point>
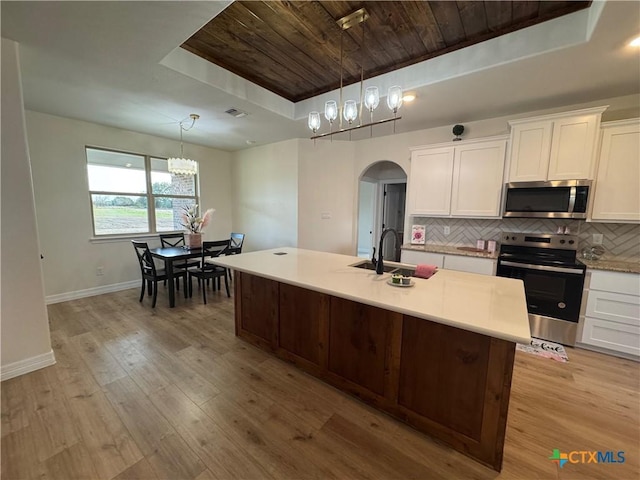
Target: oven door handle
<point>545,268</point>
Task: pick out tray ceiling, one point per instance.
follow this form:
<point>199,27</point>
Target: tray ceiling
<point>292,48</point>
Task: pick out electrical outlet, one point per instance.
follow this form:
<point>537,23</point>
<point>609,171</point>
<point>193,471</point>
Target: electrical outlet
<point>597,239</point>
<point>447,230</point>
<point>100,271</point>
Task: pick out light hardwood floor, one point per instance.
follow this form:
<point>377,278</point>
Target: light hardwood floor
<point>172,394</point>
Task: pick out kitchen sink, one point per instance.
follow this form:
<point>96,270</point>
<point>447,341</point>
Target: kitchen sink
<point>388,268</point>
<point>368,265</point>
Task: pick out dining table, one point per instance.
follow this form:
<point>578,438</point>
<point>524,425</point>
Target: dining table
<point>170,255</point>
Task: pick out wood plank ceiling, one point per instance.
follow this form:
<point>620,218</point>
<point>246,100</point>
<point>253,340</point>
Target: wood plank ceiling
<point>292,48</point>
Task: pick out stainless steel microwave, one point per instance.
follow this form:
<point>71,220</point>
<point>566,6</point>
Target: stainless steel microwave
<point>553,199</point>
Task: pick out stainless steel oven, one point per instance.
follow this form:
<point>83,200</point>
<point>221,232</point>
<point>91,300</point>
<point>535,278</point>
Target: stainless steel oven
<point>553,281</point>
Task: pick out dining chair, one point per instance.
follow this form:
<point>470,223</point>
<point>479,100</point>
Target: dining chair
<point>236,241</point>
<point>150,274</point>
<point>235,247</point>
<point>177,240</point>
<point>209,271</point>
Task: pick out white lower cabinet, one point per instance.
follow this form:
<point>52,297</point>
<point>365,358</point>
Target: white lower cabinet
<point>484,266</point>
<point>415,258</point>
<point>612,314</point>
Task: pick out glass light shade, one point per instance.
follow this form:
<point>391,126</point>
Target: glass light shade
<point>371,98</point>
<point>394,98</point>
<point>182,166</point>
<point>314,121</point>
<point>331,110</point>
<point>350,110</point>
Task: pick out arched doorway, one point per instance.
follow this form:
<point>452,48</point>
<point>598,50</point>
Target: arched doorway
<point>381,204</point>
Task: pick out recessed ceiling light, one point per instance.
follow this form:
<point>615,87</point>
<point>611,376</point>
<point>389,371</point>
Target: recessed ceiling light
<point>250,142</point>
<point>635,42</point>
<point>128,165</point>
<point>409,97</point>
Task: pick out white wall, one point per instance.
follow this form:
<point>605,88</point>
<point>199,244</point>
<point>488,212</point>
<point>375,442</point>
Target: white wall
<point>58,158</point>
<point>23,314</point>
<point>326,187</point>
<point>265,192</point>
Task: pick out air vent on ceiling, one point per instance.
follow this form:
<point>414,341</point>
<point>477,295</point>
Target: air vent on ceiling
<point>234,112</point>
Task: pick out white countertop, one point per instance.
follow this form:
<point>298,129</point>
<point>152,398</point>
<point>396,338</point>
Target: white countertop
<point>492,306</point>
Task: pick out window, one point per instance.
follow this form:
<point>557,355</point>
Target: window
<point>133,193</point>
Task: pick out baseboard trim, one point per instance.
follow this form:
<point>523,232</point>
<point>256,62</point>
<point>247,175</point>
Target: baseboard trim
<point>90,292</point>
<point>606,351</point>
<point>27,365</point>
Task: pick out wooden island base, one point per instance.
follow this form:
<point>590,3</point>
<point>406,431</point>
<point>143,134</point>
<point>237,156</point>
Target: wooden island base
<point>449,383</point>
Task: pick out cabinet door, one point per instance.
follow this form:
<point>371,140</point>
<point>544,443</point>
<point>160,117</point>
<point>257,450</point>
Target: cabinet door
<point>430,181</point>
<point>259,304</point>
<point>416,258</point>
<point>615,307</point>
<point>617,196</point>
<point>361,339</point>
<point>484,266</point>
<point>477,180</point>
<point>572,147</point>
<point>304,320</point>
<point>614,336</point>
<point>530,147</point>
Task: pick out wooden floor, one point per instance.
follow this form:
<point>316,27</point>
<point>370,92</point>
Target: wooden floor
<point>171,394</point>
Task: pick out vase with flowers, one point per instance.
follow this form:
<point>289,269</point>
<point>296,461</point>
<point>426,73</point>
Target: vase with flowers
<point>195,225</point>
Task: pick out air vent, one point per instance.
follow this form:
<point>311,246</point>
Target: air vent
<point>234,112</point>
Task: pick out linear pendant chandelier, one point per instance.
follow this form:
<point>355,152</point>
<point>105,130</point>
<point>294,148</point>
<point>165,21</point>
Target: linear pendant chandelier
<point>369,98</point>
<point>181,165</point>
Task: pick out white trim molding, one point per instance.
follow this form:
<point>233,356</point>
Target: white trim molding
<point>90,292</point>
<point>27,365</point>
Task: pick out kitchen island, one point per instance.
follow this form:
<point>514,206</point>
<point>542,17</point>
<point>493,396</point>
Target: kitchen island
<point>437,355</point>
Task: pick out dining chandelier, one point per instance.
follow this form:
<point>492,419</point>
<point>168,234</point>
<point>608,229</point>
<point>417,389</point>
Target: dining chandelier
<point>369,97</point>
<point>181,165</point>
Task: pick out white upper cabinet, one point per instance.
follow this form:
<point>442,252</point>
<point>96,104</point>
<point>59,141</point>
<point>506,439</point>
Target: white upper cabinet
<point>430,181</point>
<point>554,147</point>
<point>462,180</point>
<point>477,179</point>
<point>530,149</point>
<point>617,186</point>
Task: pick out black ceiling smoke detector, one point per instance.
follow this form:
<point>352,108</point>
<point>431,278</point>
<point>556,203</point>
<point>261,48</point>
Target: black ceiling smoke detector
<point>457,131</point>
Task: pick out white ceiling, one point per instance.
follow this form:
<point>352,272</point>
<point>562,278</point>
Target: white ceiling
<point>118,64</point>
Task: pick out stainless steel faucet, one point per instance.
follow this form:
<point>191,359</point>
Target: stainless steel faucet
<point>379,263</point>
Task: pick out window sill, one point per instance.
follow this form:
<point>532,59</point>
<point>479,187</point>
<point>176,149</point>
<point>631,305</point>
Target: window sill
<point>128,237</point>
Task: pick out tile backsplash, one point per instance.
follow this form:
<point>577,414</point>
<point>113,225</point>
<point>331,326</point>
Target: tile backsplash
<point>620,240</point>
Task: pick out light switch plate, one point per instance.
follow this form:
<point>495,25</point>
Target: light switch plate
<point>325,216</point>
<point>447,230</point>
<point>597,239</point>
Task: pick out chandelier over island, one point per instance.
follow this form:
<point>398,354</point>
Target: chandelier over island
<point>181,165</point>
<point>369,98</point>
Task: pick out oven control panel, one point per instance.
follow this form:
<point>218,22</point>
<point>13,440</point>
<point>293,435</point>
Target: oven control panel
<point>541,240</point>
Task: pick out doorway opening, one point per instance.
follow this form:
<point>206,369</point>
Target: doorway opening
<point>381,205</point>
